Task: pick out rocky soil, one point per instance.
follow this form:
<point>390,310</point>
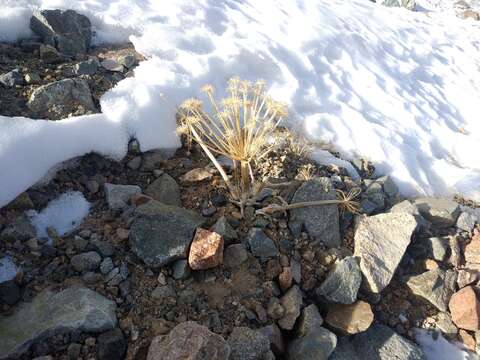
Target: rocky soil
<point>165,267</point>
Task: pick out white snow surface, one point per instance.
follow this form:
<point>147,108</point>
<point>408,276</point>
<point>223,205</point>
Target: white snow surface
<point>437,348</point>
<point>64,214</point>
<point>396,87</point>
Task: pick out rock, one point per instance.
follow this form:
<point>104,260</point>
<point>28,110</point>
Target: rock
<point>67,30</point>
<point>9,292</point>
<point>73,351</point>
<point>223,228</point>
<point>152,160</point>
<point>433,248</point>
<point>106,266</point>
<point>440,212</point>
<point>88,261</point>
<point>32,78</point>
<point>274,309</point>
<point>467,277</point>
<point>104,248</point>
<point>465,309</point>
<point>317,345</point>
<point>379,342</point>
<point>380,242</point>
<point>189,341</point>
<point>161,233</point>
<point>321,222</point>
<point>62,97</point>
<point>118,196</point>
<point>11,78</point>
<point>445,324</point>
<point>128,61</point>
<point>50,314</point>
<point>274,335</point>
<point>206,251</point>
<point>308,321</point>
<point>470,14</point>
<point>408,4</point>
<point>88,67</point>
<point>235,255</point>
<point>50,55</point>
<point>181,270</point>
<point>111,345</point>
<point>292,303</point>
<point>196,175</point>
<point>436,286</point>
<point>285,279</point>
<point>342,282</point>
<point>260,244</point>
<point>350,319</point>
<point>165,189</point>
<point>375,195</point>
<point>472,250</point>
<point>135,163</point>
<point>21,202</point>
<point>407,207</point>
<point>389,186</point>
<point>20,230</point>
<point>163,292</point>
<point>248,344</point>
<point>112,65</point>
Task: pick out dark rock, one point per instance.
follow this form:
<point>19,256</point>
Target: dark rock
<point>181,270</point>
<point>223,228</point>
<point>50,55</point>
<point>435,248</point>
<point>235,255</point>
<point>317,345</point>
<point>106,266</point>
<point>9,292</point>
<point>260,244</point>
<point>308,321</point>
<point>88,261</point>
<point>11,78</point>
<point>118,196</point>
<point>166,190</point>
<point>88,67</point>
<point>466,221</point>
<point>111,345</point>
<point>73,351</point>
<point>248,344</point>
<point>20,230</point>
<point>103,247</point>
<point>274,335</point>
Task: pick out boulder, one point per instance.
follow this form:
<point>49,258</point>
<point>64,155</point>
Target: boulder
<point>166,190</point>
<point>51,313</point>
<point>321,222</point>
<point>317,345</point>
<point>465,309</point>
<point>118,196</point>
<point>206,251</point>
<point>350,319</point>
<point>161,234</point>
<point>248,344</point>
<point>342,282</point>
<point>442,213</point>
<point>466,221</point>
<point>67,30</point>
<point>380,242</point>
<point>189,341</point>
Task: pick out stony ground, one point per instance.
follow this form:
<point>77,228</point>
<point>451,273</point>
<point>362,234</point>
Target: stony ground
<point>166,267</point>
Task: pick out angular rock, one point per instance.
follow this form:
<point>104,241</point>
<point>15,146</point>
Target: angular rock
<point>465,309</point>
<point>151,160</point>
<point>235,255</point>
<point>166,190</point>
<point>292,303</point>
<point>128,60</point>
<point>440,212</point>
<point>309,320</point>
<point>408,4</point>
<point>350,319</point>
<point>118,196</point>
<point>111,345</point>
<point>433,248</point>
<point>380,242</point>
<point>321,222</point>
<point>436,286</point>
<point>88,261</point>
<point>466,221</point>
<point>52,313</point>
<point>11,78</point>
<point>342,282</point>
<point>274,335</point>
<point>161,233</point>
<point>206,251</point>
<point>20,230</point>
<point>317,345</point>
<point>62,97</point>
<point>223,228</point>
<point>467,277</point>
<point>67,30</point>
<point>248,344</point>
<point>88,67</point>
<point>180,270</point>
<point>189,341</point>
<point>260,244</point>
<point>407,207</point>
<point>112,65</point>
<point>445,324</point>
<point>50,55</point>
<point>472,250</point>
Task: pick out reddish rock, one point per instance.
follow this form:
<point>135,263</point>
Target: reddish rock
<point>140,199</point>
<point>350,319</point>
<point>285,279</point>
<point>472,251</point>
<point>206,251</point>
<point>467,340</point>
<point>465,309</point>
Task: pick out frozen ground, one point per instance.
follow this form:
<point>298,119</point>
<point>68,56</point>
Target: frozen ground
<point>436,347</point>
<point>396,87</point>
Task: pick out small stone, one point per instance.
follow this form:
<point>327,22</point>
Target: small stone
<point>440,212</point>
<point>206,251</point>
<point>350,319</point>
<point>111,345</point>
<point>466,277</point>
<point>21,229</point>
<point>309,321</point>
<point>112,65</point>
<point>285,279</point>
<point>248,344</point>
<point>91,278</point>
<point>235,255</point>
<point>165,189</point>
<point>465,309</point>
<point>152,160</point>
<point>466,221</point>
<point>274,309</point>
<point>106,266</point>
<point>79,243</point>
<point>122,234</point>
<point>135,163</point>
<point>260,244</point>
<point>181,270</point>
<point>50,55</point>
<point>11,79</point>
<point>434,248</point>
<point>291,302</point>
<point>318,344</point>
<point>88,261</point>
<point>32,78</point>
<point>223,228</point>
<point>296,271</point>
<point>163,292</point>
<point>103,247</point>
<point>196,175</point>
<point>118,196</point>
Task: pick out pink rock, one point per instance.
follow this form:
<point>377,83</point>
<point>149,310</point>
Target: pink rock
<point>465,309</point>
<point>206,251</point>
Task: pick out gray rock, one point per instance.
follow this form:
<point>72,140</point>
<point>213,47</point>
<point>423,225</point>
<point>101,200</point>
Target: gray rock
<point>91,277</point>
<point>103,247</point>
<point>152,160</point>
<point>389,186</point>
<point>248,344</point>
<point>292,302</point>
<point>260,244</point>
<point>445,324</point>
<point>380,242</point>
<point>62,97</point>
<point>106,266</point>
<point>274,335</point>
<point>181,270</point>
<point>235,255</point>
<point>67,30</point>
<point>88,261</point>
<point>32,78</point>
<point>111,345</point>
<point>436,286</point>
<point>432,248</point>
<point>223,228</point>
<point>407,207</point>
<point>321,222</point>
<point>88,67</point>
<point>440,212</point>
<point>317,345</point>
<point>112,65</point>
<point>408,4</point>
<point>375,195</point>
<point>466,221</point>
<point>162,233</point>
<point>166,190</point>
<point>163,292</point>
<point>379,342</point>
<point>342,282</point>
<point>50,55</point>
<point>11,78</point>
<point>118,196</point>
<point>128,61</point>
<point>135,163</point>
<point>309,321</point>
<point>52,313</point>
<point>20,230</point>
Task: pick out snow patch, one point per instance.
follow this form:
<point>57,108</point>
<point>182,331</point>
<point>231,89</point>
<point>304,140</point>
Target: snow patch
<point>436,347</point>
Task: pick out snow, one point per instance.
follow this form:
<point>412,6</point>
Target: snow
<point>8,269</point>
<point>393,86</point>
<point>436,347</point>
<point>64,214</point>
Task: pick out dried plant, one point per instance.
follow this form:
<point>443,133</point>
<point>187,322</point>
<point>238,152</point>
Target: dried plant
<point>306,172</point>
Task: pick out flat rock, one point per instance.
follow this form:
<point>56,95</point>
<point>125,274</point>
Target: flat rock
<point>436,286</point>
<point>321,222</point>
<point>161,233</point>
<point>260,244</point>
<point>189,341</point>
<point>118,196</point>
<point>350,319</point>
<point>465,309</point>
<point>67,30</point>
<point>342,282</point>
<point>55,313</point>
<point>407,207</point>
<point>248,344</point>
<point>196,175</point>
<point>317,345</point>
<point>206,251</point>
<point>292,303</point>
<point>440,212</point>
<point>380,242</point>
<point>166,190</point>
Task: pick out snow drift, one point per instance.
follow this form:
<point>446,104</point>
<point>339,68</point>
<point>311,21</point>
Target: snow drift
<point>396,87</point>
